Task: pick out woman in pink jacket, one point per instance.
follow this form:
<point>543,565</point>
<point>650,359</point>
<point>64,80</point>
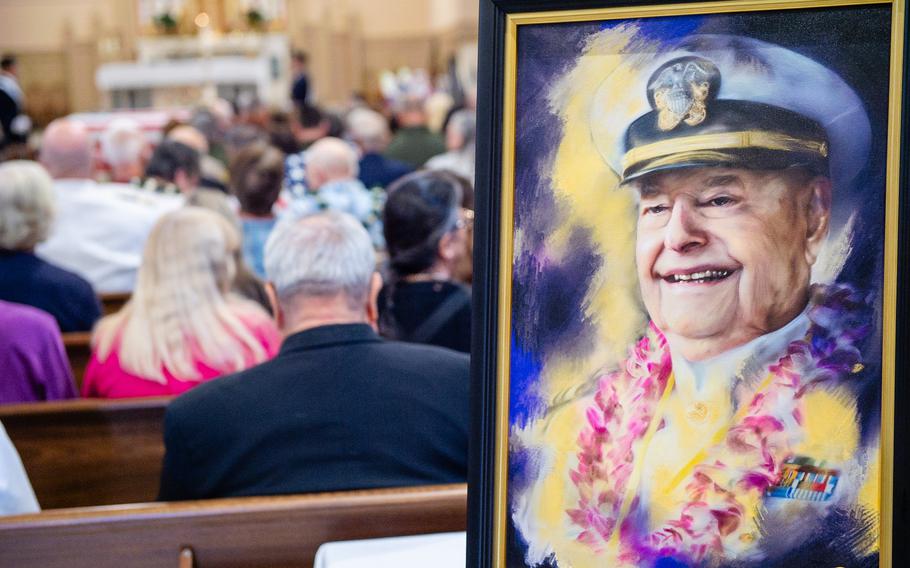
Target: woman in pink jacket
<point>182,325</point>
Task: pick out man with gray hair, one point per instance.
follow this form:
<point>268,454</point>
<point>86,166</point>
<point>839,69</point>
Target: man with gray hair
<point>369,130</point>
<point>339,408</point>
<point>125,150</point>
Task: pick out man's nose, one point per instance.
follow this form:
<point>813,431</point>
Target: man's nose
<point>683,231</point>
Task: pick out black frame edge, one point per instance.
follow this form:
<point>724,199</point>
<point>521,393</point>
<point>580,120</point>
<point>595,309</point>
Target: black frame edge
<point>481,465</point>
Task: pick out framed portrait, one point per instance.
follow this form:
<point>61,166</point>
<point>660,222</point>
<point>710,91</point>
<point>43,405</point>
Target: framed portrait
<point>690,285</point>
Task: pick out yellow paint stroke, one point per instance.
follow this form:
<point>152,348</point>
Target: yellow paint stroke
<point>589,192</point>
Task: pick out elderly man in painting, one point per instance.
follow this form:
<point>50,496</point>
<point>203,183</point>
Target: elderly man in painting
<point>735,433</point>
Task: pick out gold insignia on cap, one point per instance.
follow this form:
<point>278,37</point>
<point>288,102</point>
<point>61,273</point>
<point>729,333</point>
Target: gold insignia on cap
<point>694,114</point>
<point>681,92</point>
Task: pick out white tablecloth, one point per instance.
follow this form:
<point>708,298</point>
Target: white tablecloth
<point>441,550</point>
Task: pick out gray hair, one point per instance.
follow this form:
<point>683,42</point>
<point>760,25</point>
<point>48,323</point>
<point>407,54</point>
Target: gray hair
<point>320,255</point>
<point>334,157</point>
<point>123,142</point>
<point>26,205</point>
<point>368,128</point>
<point>465,123</point>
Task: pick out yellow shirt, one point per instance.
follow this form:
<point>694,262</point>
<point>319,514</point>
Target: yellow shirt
<point>701,404</point>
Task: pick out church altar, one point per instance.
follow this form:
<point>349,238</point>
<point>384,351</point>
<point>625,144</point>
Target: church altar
<point>182,71</point>
<point>191,51</point>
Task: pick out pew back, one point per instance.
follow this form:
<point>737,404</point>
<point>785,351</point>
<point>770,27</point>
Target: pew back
<point>79,352</point>
<point>249,531</point>
<point>111,302</point>
<point>89,452</point>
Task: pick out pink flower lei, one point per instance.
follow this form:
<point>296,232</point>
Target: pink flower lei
<point>624,406</point>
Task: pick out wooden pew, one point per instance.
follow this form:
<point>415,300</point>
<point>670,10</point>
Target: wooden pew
<point>249,531</point>
<point>89,452</point>
<point>78,351</point>
<point>111,302</point>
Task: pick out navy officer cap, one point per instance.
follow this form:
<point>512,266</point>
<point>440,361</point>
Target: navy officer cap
<point>730,101</point>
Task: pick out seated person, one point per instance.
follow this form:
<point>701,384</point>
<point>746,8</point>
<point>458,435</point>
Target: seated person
<point>245,283</point>
<point>369,130</point>
<point>124,150</point>
<point>339,408</point>
<point>426,236</point>
<point>459,158</point>
<point>414,143</point>
<point>174,168</point>
<point>16,494</point>
<point>307,125</point>
<point>100,228</point>
<point>256,174</point>
<point>26,216</point>
<point>32,356</point>
<point>331,177</point>
<point>182,326</point>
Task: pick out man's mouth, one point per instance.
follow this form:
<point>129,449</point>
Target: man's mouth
<point>700,277</point>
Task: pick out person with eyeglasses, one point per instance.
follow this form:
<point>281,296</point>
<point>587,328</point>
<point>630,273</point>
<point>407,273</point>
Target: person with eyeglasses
<point>426,236</point>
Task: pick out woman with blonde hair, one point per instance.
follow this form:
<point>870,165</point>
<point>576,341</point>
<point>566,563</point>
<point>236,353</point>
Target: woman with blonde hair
<point>182,325</point>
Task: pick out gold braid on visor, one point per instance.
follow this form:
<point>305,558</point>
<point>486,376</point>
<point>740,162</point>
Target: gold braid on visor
<point>687,147</point>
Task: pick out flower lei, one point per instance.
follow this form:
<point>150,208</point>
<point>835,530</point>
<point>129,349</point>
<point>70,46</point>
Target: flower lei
<point>624,406</point>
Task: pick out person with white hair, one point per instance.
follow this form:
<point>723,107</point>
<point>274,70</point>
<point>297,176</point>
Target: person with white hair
<point>459,158</point>
<point>182,325</point>
<point>331,176</point>
<point>339,408</point>
<point>100,227</point>
<point>369,130</point>
<point>27,212</point>
<point>125,150</point>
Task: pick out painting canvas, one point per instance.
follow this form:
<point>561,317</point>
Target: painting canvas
<point>696,307</point>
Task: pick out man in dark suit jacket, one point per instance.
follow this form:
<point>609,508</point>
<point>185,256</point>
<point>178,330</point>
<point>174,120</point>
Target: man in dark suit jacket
<point>338,408</point>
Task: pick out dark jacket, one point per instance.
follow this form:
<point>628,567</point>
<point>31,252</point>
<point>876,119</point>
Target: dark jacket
<point>338,408</point>
<point>27,279</point>
<point>378,171</point>
<point>435,313</point>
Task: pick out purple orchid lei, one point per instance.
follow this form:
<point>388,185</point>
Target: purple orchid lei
<point>624,406</point>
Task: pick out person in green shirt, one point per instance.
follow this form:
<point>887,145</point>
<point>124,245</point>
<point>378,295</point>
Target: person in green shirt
<point>414,143</point>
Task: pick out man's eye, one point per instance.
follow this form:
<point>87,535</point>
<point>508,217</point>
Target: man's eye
<point>721,201</point>
<point>656,209</point>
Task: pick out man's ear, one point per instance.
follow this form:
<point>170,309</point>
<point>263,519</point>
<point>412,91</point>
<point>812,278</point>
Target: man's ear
<point>819,211</point>
<point>372,307</point>
<point>272,295</point>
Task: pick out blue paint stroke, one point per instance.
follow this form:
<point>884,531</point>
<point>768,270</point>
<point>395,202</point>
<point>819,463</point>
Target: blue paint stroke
<point>525,402</point>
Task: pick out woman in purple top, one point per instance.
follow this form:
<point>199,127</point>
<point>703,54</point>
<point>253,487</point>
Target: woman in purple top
<point>32,357</point>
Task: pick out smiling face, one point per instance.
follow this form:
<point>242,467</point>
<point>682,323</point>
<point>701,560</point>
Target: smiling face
<point>724,255</point>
